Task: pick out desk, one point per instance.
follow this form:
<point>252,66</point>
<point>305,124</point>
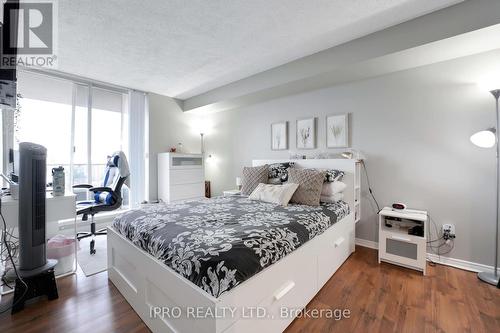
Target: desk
<point>56,209</point>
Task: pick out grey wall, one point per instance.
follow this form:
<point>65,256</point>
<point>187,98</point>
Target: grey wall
<point>169,125</point>
<point>414,128</point>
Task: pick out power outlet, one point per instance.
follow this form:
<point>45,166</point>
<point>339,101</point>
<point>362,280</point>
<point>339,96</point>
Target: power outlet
<point>448,230</point>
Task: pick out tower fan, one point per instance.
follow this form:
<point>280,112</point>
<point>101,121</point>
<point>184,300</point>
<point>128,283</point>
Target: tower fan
<point>35,270</point>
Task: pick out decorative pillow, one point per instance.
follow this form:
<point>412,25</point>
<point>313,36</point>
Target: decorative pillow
<point>333,175</point>
<point>333,188</point>
<point>278,172</point>
<point>332,198</point>
<point>252,176</point>
<point>277,194</point>
<point>310,184</point>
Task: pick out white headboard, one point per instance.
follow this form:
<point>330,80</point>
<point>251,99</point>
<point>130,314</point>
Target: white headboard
<point>350,168</point>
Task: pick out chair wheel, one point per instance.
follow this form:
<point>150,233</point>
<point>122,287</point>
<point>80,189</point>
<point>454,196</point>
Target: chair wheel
<point>92,247</point>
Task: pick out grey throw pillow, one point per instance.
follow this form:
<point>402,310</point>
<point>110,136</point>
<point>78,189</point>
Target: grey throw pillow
<point>310,184</point>
<point>253,176</point>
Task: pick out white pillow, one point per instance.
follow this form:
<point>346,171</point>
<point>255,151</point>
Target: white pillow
<point>277,194</point>
<point>335,187</point>
<point>332,198</point>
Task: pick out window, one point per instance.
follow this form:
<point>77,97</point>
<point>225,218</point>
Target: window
<point>106,123</point>
<point>48,124</point>
<point>79,124</point>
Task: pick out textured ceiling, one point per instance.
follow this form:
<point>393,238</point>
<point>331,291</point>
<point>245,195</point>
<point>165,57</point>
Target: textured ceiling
<point>184,48</point>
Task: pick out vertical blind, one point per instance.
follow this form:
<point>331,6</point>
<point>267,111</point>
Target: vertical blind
<point>138,114</point>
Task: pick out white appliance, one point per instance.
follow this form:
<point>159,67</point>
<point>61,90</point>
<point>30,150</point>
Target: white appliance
<point>180,176</point>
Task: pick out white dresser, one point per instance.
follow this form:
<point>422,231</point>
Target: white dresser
<point>180,176</point>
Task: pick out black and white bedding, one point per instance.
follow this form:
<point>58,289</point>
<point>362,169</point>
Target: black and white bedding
<point>219,243</point>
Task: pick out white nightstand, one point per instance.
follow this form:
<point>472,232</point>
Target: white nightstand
<point>229,193</point>
<point>396,245</point>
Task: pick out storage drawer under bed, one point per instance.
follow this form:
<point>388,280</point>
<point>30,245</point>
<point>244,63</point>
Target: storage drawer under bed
<point>289,289</point>
<point>292,288</point>
<point>334,248</point>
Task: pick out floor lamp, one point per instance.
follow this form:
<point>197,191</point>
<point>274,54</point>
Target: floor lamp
<point>487,139</point>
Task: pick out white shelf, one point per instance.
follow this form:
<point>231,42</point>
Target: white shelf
<point>229,193</point>
<point>410,214</point>
<point>396,230</point>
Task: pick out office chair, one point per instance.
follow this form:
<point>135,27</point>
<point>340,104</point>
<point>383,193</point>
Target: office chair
<point>107,197</point>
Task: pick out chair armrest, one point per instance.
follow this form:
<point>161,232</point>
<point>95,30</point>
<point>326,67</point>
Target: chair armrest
<point>87,186</point>
<point>114,195</point>
<point>101,189</point>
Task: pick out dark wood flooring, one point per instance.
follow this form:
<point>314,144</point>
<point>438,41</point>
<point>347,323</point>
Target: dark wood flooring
<point>381,298</point>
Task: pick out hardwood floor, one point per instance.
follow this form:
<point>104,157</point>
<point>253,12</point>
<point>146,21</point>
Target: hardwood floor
<point>381,298</point>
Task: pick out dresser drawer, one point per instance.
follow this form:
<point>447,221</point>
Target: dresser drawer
<point>187,176</point>
<point>187,191</point>
<point>180,161</point>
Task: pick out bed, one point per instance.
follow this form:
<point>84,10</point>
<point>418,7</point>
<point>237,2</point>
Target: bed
<point>229,264</point>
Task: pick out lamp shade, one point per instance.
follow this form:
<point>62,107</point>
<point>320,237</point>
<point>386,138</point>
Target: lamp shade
<point>353,154</point>
<point>484,139</point>
<point>490,82</point>
<point>347,154</point>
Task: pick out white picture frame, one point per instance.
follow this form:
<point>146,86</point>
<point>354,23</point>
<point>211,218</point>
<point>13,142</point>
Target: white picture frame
<point>279,135</point>
<point>337,131</point>
<point>306,133</point>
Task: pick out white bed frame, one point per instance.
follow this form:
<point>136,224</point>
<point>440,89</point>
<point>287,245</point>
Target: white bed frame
<point>260,304</point>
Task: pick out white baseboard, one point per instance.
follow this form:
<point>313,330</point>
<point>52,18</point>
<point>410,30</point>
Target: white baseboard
<point>457,263</point>
<point>366,243</point>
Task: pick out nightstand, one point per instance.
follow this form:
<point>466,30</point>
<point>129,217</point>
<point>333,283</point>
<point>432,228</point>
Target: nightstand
<point>229,193</point>
<point>402,237</point>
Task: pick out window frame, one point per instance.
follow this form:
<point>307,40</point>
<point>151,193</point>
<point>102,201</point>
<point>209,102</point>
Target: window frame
<point>91,86</point>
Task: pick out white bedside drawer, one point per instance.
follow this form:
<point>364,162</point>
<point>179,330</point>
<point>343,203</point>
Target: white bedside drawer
<point>229,193</point>
<point>402,237</point>
<point>407,250</point>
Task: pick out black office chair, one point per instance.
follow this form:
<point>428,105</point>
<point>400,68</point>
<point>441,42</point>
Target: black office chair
<point>107,197</point>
